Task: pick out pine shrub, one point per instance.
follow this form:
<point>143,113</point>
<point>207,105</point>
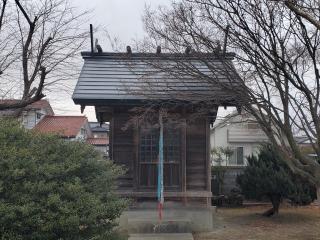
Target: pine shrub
<point>268,177</point>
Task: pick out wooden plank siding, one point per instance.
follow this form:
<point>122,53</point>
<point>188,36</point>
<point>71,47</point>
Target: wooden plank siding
<point>196,170</point>
<point>124,150</point>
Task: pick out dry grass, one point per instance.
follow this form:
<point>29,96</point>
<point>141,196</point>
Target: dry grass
<point>301,223</point>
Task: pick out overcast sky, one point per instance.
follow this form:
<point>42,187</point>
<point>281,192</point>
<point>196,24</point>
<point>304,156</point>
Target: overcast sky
<point>123,20</point>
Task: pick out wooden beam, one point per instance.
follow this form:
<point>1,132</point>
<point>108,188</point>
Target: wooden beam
<point>136,156</point>
<point>153,194</point>
<point>111,139</point>
<point>208,162</point>
<point>184,155</point>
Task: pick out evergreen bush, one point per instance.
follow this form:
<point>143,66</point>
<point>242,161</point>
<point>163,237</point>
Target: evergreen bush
<point>54,189</point>
<point>268,176</point>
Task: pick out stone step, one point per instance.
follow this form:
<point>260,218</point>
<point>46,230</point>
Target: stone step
<point>171,225</point>
<point>161,236</point>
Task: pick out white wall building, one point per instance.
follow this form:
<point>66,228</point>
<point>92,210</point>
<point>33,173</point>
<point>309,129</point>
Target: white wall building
<point>241,133</point>
<point>31,114</point>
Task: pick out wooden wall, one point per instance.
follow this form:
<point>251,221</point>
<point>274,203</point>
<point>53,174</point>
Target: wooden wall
<point>196,168</point>
<point>124,147</point>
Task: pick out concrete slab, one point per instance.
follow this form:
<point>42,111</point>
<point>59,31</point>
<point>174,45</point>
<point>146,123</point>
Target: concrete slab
<point>162,236</point>
<point>151,225</point>
<point>174,220</point>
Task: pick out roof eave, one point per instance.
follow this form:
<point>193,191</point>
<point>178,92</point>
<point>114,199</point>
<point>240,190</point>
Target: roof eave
<point>135,102</point>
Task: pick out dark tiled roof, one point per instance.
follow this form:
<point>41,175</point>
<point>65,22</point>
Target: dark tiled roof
<point>65,126</point>
<point>95,127</point>
<point>135,77</point>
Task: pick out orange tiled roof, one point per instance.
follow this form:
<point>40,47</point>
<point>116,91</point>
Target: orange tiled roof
<point>65,126</point>
<point>98,141</point>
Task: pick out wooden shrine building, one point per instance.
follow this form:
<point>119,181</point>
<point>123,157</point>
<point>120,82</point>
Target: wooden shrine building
<point>121,85</point>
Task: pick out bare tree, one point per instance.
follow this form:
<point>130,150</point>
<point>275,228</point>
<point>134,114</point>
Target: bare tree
<point>305,9</point>
<point>40,41</point>
<point>277,58</point>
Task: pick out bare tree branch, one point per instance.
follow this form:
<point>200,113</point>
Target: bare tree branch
<point>278,56</point>
<point>298,11</point>
<point>42,40</point>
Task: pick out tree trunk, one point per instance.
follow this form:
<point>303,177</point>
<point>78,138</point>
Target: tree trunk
<point>275,200</point>
<point>317,201</point>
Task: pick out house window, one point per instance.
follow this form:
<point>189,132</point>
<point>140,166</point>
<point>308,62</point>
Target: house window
<point>237,157</point>
<point>38,116</point>
<point>149,155</point>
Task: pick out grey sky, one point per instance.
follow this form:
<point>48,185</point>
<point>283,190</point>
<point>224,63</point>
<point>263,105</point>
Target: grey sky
<point>123,20</point>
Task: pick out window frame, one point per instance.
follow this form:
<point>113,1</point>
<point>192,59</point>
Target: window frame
<point>169,165</point>
<point>235,157</point>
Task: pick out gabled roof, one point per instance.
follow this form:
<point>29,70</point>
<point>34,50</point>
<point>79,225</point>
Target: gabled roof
<point>230,119</point>
<point>65,126</point>
<point>128,78</point>
<point>302,140</point>
<point>41,104</point>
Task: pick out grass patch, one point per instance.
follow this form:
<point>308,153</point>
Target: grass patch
<point>293,223</point>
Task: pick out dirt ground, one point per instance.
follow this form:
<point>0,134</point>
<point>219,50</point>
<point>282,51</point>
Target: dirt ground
<point>292,223</point>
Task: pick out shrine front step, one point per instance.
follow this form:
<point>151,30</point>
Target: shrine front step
<point>161,236</point>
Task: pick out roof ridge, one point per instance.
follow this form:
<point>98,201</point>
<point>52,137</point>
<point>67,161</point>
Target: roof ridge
<point>195,55</point>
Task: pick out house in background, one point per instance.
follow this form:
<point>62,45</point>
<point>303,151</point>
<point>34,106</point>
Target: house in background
<point>100,144</point>
<point>31,114</point>
<point>99,130</point>
<point>100,137</point>
<point>76,128</point>
<point>242,134</point>
<point>40,115</point>
<point>72,128</point>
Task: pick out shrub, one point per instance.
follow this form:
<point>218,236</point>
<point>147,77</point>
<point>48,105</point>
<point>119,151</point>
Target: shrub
<point>268,176</point>
<point>218,173</point>
<point>54,189</point>
<point>234,199</point>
